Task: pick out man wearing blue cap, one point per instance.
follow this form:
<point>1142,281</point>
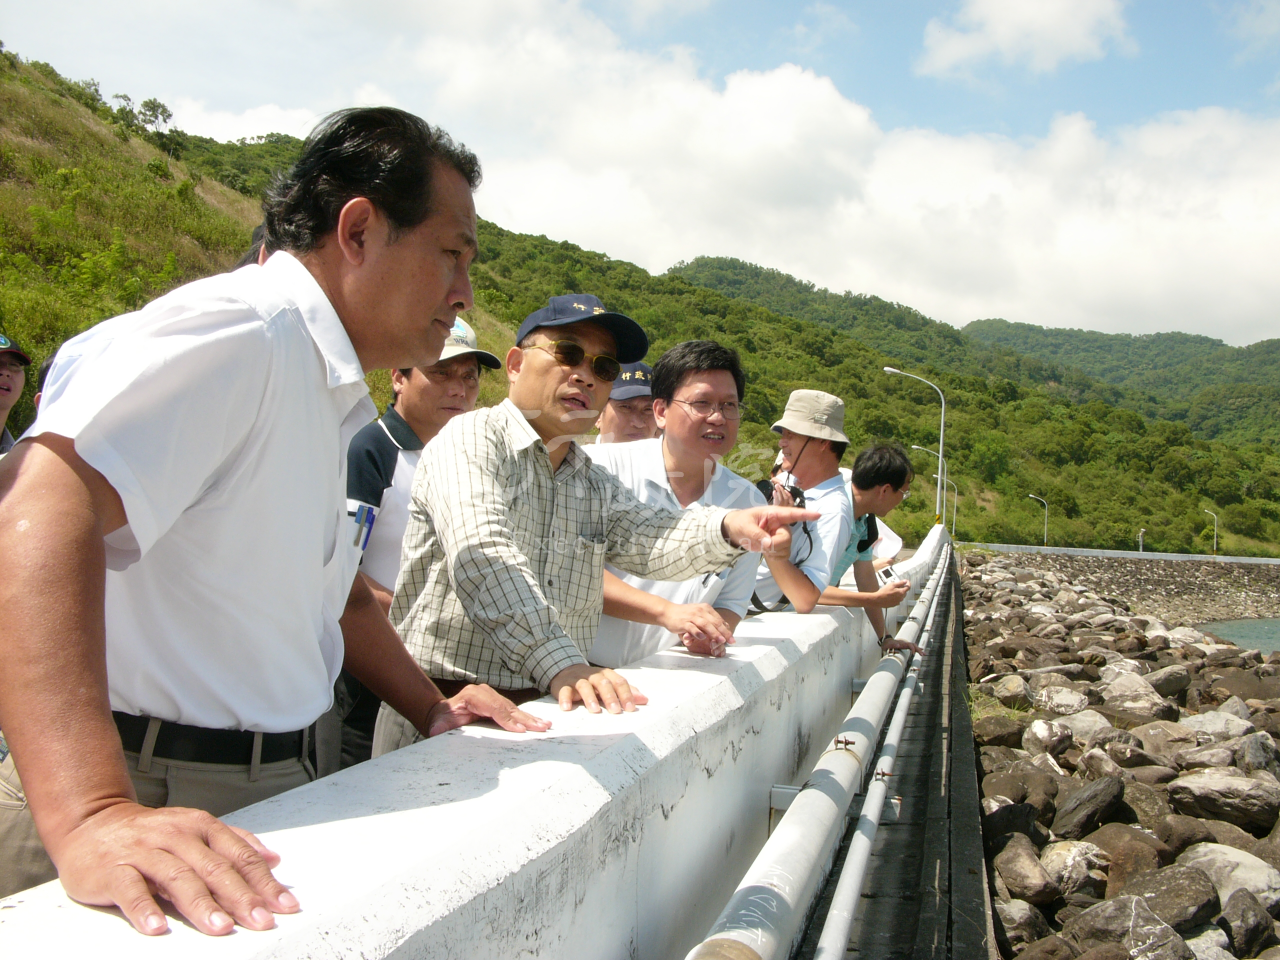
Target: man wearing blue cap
<point>510,525</point>
<point>628,416</point>
<point>13,377</point>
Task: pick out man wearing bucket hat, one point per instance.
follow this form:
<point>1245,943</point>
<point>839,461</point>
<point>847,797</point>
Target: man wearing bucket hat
<point>381,462</point>
<point>13,377</point>
<point>628,415</point>
<point>510,525</point>
<point>812,441</point>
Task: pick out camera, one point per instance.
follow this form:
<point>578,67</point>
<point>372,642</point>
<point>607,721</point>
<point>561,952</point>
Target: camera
<point>766,488</point>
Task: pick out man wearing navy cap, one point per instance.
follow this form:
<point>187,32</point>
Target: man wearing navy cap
<point>13,377</point>
<point>628,415</point>
<point>510,525</point>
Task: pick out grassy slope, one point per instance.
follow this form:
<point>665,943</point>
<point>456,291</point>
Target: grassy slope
<point>1231,393</point>
<point>91,226</point>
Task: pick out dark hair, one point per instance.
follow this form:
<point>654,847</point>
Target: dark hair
<point>255,247</point>
<point>887,463</point>
<point>838,447</point>
<point>45,365</point>
<point>381,153</point>
<point>694,356</point>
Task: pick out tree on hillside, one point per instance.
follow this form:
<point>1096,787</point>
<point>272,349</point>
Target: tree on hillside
<point>154,115</point>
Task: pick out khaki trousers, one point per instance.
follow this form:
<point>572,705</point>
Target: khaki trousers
<point>218,788</point>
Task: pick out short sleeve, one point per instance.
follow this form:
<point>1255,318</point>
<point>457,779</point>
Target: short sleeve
<point>158,401</point>
<point>371,465</point>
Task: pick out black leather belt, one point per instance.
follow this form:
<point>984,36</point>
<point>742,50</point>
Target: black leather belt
<point>177,741</point>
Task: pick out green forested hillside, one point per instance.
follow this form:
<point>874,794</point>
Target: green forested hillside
<point>95,220</point>
<point>1219,391</point>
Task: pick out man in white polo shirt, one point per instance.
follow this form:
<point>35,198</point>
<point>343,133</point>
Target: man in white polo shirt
<point>177,568</point>
<point>697,402</point>
<point>812,441</point>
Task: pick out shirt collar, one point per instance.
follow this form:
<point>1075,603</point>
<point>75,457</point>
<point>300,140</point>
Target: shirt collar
<point>399,431</point>
<point>653,467</point>
<point>524,436</point>
<point>341,363</point>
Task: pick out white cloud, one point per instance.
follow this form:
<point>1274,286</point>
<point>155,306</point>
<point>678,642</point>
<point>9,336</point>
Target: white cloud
<point>1038,34</point>
<point>194,116</point>
<point>1256,23</point>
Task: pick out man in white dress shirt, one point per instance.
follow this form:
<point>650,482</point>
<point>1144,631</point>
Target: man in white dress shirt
<point>177,568</point>
<point>697,402</point>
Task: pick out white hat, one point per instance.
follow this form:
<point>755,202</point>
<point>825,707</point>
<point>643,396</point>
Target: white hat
<point>812,413</point>
<point>462,339</point>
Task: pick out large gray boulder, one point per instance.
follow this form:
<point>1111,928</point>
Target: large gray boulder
<point>1060,700</point>
<point>1018,924</point>
<point>1183,897</point>
<point>1046,736</point>
<point>1129,922</point>
<point>1218,726</point>
<point>1231,869</point>
<point>1208,942</point>
<point>1087,808</point>
<point>1166,739</point>
<point>1023,876</point>
<point>1085,724</point>
<point>1126,684</point>
<point>1246,923</point>
<point>1211,756</point>
<point>1257,751</point>
<point>1169,681</point>
<point>1216,795</point>
<point>1077,867</point>
<point>1012,691</point>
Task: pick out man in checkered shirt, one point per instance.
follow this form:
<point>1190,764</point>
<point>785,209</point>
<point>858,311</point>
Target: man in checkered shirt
<point>511,524</point>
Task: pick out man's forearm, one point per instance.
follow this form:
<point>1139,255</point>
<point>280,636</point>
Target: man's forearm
<point>382,594</point>
<point>54,706</point>
<point>625,602</point>
<point>864,575</point>
<point>793,583</point>
<point>378,659</point>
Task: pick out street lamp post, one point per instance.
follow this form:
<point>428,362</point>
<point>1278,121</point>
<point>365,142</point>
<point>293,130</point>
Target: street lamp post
<point>942,426</point>
<point>943,467</point>
<point>955,498</point>
<point>1046,516</point>
<point>1140,533</point>
<point>1215,531</point>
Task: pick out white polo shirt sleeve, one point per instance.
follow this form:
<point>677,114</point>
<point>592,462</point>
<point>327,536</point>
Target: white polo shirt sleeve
<point>158,408</point>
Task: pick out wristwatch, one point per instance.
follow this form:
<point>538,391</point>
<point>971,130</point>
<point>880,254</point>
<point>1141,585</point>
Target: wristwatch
<point>885,639</point>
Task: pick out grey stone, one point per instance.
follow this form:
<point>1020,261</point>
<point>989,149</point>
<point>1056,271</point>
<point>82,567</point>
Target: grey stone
<point>1183,897</point>
<point>1230,835</point>
<point>1209,943</point>
<point>1020,869</point>
<point>1052,947</point>
<point>1019,924</point>
<point>1113,671</point>
<point>1153,707</point>
<point>1169,681</point>
<point>1010,819</point>
<point>1045,736</point>
<point>1153,774</point>
<point>1234,706</point>
<point>1012,691</point>
<point>1087,808</point>
<point>1085,724</point>
<point>1149,805</point>
<point>996,731</point>
<point>1097,764</point>
<point>1165,739</point>
<point>1129,922</point>
<point>1076,867</point>
<point>1246,923</point>
<point>1216,795</point>
<point>1060,700</point>
<point>1219,726</point>
<point>1127,755</point>
<point>1112,735</point>
<point>1258,751</point>
<point>1127,684</point>
<point>1230,869</point>
<point>1211,756</point>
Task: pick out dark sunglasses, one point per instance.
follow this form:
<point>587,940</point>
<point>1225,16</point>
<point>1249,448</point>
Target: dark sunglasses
<point>570,354</point>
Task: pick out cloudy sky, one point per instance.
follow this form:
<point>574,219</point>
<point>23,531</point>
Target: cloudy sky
<point>1093,163</point>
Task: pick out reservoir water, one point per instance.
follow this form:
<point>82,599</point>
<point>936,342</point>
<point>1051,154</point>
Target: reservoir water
<point>1253,634</point>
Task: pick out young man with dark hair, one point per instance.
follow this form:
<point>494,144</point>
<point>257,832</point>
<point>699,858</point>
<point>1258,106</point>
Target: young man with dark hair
<point>177,567</point>
<point>511,524</point>
<point>628,416</point>
<point>881,480</point>
<point>13,377</point>
<point>811,441</point>
<point>697,401</point>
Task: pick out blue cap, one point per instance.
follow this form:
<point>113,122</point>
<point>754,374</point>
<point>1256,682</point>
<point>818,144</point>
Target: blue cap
<point>635,380</point>
<point>632,342</point>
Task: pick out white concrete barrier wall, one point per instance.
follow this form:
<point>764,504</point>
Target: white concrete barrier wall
<point>606,837</point>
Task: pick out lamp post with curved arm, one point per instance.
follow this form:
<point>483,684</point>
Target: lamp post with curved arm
<point>1215,531</point>
<point>943,469</point>
<point>955,497</point>
<point>1046,516</point>
<point>942,427</point>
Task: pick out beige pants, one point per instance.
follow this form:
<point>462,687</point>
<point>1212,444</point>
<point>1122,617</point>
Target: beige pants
<point>216,787</point>
<point>392,732</point>
<point>23,862</point>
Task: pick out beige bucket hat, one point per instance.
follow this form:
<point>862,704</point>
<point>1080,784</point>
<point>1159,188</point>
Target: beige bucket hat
<point>812,413</point>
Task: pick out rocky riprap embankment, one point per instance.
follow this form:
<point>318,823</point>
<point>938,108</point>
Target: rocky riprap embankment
<point>1130,779</point>
<point>1175,591</point>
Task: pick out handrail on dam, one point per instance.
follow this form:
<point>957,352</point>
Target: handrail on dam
<point>767,913</point>
<point>606,836</point>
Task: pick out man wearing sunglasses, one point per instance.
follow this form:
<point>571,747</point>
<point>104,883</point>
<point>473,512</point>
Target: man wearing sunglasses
<point>881,480</point>
<point>697,400</point>
<point>511,524</point>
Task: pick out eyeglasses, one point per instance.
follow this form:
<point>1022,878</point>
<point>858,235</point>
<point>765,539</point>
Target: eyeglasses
<point>704,409</point>
<point>905,493</point>
<point>570,354</point>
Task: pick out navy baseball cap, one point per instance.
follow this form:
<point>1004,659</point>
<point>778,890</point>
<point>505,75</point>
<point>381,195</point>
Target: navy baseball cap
<point>635,380</point>
<point>632,341</point>
<point>8,346</point>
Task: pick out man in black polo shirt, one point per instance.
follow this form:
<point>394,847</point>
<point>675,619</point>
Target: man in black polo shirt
<point>381,462</point>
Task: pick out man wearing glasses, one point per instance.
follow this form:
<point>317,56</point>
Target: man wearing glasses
<point>881,480</point>
<point>697,396</point>
<point>511,524</point>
